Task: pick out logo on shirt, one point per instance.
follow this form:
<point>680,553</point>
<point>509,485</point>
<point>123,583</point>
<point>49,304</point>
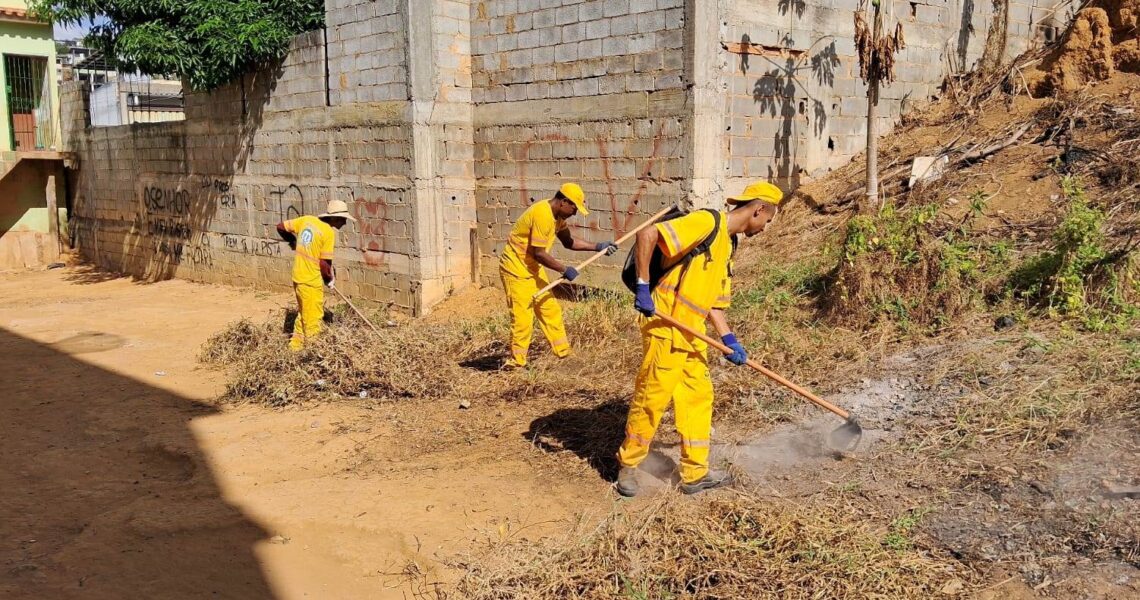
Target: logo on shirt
<point>307,237</point>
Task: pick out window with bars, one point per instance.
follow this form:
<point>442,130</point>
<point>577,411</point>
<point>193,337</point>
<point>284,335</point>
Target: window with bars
<point>30,116</point>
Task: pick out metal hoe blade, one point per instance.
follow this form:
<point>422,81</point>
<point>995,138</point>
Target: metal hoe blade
<point>846,437</point>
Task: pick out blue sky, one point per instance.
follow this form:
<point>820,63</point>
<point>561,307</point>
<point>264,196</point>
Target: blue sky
<point>71,32</point>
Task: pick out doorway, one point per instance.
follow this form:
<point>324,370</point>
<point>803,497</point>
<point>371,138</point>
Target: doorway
<point>29,102</point>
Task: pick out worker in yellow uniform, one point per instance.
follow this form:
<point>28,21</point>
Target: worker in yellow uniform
<point>313,240</point>
<point>527,251</point>
<point>696,250</point>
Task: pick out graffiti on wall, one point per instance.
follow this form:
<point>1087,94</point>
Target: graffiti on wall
<point>174,216</point>
<point>251,246</point>
<point>175,252</point>
<point>177,216</point>
<point>221,189</point>
<point>373,217</point>
<point>166,219</point>
<point>290,201</point>
<point>622,219</point>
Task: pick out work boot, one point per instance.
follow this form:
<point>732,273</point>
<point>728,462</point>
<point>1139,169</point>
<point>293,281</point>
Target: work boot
<point>627,482</point>
<point>712,479</point>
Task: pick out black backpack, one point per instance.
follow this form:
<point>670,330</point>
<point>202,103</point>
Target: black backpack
<point>657,269</point>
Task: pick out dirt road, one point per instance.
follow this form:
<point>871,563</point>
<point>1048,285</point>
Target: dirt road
<point>123,478</point>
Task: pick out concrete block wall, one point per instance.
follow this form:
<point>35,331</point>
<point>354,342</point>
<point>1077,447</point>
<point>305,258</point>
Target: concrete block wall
<point>798,107</point>
<point>583,91</point>
<point>367,50</point>
<point>541,49</point>
<point>441,121</point>
<point>199,199</point>
<point>626,151</point>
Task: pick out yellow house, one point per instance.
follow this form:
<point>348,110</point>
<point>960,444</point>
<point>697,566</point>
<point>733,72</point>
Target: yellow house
<point>29,98</point>
<point>31,164</point>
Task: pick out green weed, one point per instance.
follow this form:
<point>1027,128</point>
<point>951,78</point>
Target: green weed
<point>1132,362</point>
<point>781,286</point>
<point>1078,276</point>
<point>898,534</point>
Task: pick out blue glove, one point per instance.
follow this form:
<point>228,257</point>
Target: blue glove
<point>609,247</point>
<point>739,355</point>
<point>644,301</point>
<point>570,274</point>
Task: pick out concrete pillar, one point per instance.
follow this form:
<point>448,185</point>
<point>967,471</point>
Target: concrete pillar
<point>442,175</point>
<point>52,169</point>
<point>704,151</point>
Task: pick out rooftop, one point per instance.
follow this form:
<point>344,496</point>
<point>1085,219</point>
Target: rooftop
<point>9,13</point>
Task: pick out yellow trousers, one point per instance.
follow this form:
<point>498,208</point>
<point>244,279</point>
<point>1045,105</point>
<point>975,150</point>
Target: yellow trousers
<point>520,292</point>
<point>310,313</point>
<point>669,374</point>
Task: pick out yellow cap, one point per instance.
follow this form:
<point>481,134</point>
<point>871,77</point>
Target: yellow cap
<point>573,192</point>
<point>760,190</point>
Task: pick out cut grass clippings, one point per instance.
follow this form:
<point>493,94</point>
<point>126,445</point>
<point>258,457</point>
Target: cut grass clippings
<point>730,546</point>
<point>344,361</point>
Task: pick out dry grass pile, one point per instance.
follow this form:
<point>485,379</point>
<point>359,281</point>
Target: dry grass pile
<point>738,546</point>
<point>422,360</point>
<point>345,361</point>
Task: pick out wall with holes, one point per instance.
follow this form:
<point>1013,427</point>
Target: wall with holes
<point>795,106</point>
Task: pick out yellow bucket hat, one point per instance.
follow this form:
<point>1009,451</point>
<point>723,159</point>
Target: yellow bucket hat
<point>573,192</point>
<point>760,190</point>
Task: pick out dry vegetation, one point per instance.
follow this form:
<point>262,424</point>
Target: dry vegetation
<point>1032,232</point>
<point>733,546</point>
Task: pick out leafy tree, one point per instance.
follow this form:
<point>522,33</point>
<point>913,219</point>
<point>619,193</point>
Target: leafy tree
<point>207,43</point>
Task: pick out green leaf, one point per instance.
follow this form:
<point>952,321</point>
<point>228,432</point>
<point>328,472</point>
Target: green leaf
<point>207,43</point>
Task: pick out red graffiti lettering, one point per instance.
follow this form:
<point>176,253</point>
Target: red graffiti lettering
<point>618,223</point>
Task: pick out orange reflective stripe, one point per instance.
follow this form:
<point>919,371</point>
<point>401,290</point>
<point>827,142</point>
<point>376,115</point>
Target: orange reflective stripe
<point>694,443</point>
<point>631,436</point>
<point>689,304</point>
<point>560,342</point>
<point>539,242</point>
<point>676,240</point>
<point>328,255</point>
<point>306,256</point>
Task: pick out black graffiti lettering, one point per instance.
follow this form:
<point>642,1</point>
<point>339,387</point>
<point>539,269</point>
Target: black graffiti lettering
<point>169,228</point>
<point>253,247</point>
<point>290,201</point>
<point>218,185</point>
<point>166,200</point>
<point>171,250</point>
<point>269,248</point>
<point>201,256</point>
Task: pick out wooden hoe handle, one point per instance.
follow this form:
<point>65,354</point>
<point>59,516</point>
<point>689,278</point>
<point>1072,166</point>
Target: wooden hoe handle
<point>601,253</point>
<point>354,309</point>
<point>757,366</point>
